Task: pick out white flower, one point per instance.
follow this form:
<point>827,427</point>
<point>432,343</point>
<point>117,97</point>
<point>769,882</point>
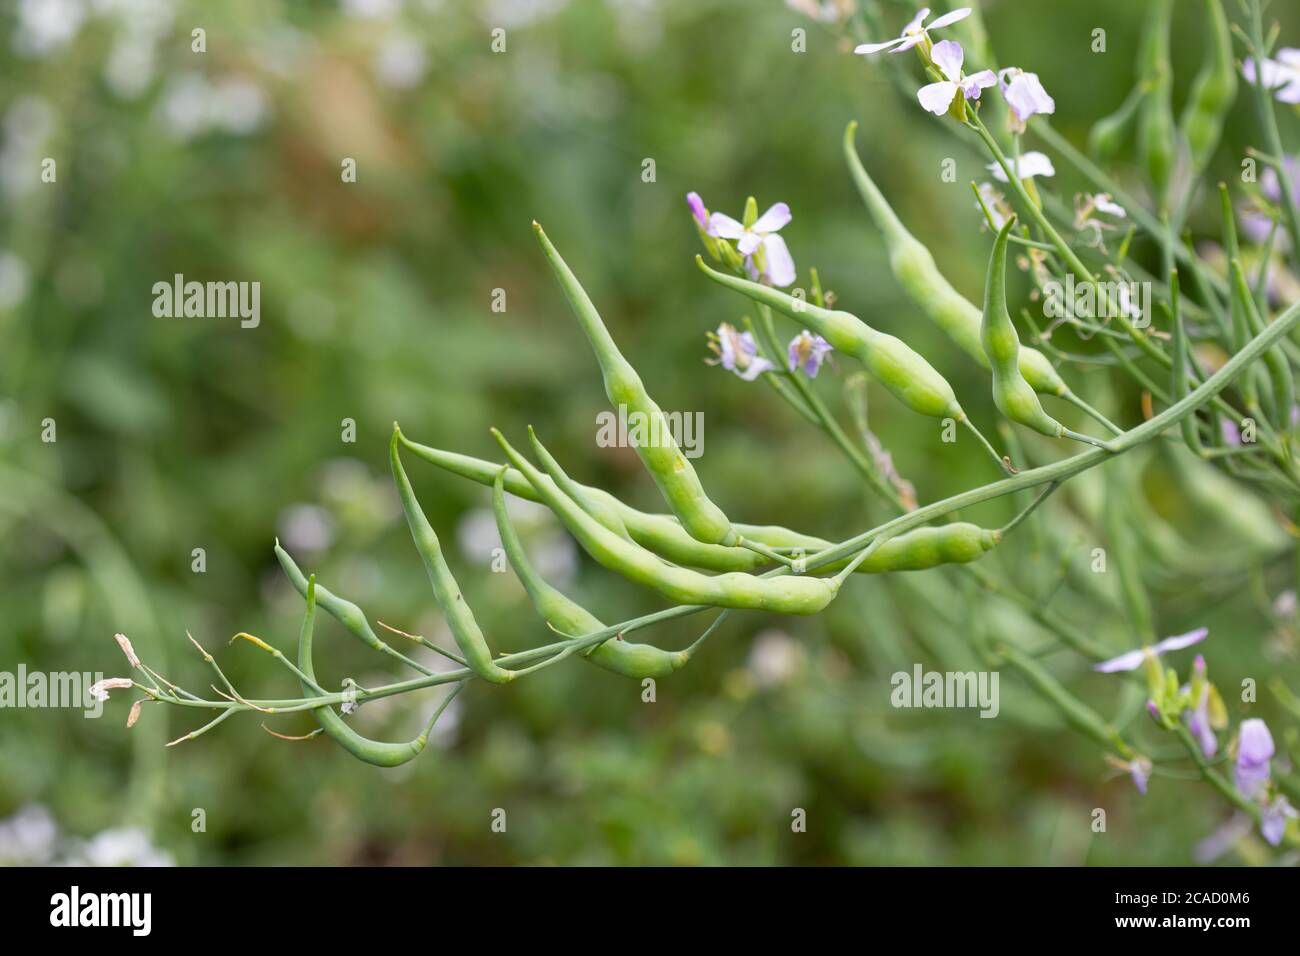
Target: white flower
<point>1031,164</point>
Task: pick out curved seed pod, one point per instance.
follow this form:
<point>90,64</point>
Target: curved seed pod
<point>957,543</point>
<point>343,611</point>
<point>782,595</point>
<point>1212,92</point>
<point>460,619</point>
<point>660,533</point>
<point>1156,141</point>
<point>1106,137</point>
<point>667,465</point>
<point>907,375</point>
<point>1275,360</point>
<point>1011,393</point>
<point>600,509</point>
<point>376,752</point>
<point>914,268</point>
<point>569,617</point>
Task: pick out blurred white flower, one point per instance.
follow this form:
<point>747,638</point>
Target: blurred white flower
<point>477,536</point>
<point>28,837</point>
<point>305,528</point>
<point>193,105</point>
<point>774,658</point>
<point>123,846</point>
<point>401,62</point>
<point>45,25</point>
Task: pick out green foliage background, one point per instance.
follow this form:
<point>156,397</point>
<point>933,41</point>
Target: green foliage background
<point>375,304</point>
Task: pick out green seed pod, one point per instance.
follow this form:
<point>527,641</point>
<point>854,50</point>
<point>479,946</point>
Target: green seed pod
<point>914,268</point>
<point>781,595</point>
<point>1106,138</point>
<point>1275,360</point>
<point>660,533</point>
<point>569,617</point>
<point>460,619</point>
<point>1212,92</point>
<point>1011,393</point>
<point>669,468</point>
<point>907,375</point>
<point>957,543</point>
<point>376,752</point>
<point>1157,145</point>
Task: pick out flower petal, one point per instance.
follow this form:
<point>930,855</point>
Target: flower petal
<point>748,243</point>
<point>756,367</point>
<point>937,97</point>
<point>696,205</point>
<point>948,56</point>
<point>950,18</point>
<point>866,49</point>
<point>1178,642</point>
<point>780,264</point>
<point>772,220</point>
<point>724,226</point>
<point>1130,661</point>
<point>917,21</point>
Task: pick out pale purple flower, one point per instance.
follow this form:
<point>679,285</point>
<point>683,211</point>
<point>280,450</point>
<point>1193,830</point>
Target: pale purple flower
<point>807,351</point>
<point>1139,769</point>
<point>1198,717</point>
<point>913,33</point>
<point>1273,818</point>
<point>1254,751</point>
<point>1282,75</point>
<point>738,353</point>
<point>1024,94</point>
<point>777,262</point>
<point>1026,166</point>
<point>696,205</point>
<point>1271,187</point>
<point>1230,432</point>
<point>948,56</point>
<point>1132,660</point>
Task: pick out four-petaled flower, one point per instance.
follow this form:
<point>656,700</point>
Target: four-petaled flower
<point>913,33</point>
<point>737,353</point>
<point>1132,660</point>
<point>807,351</point>
<point>778,266</point>
<point>1024,94</point>
<point>1282,75</point>
<point>1025,166</point>
<point>948,56</point>
<point>1254,751</point>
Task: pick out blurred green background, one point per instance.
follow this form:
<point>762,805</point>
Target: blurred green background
<point>176,434</point>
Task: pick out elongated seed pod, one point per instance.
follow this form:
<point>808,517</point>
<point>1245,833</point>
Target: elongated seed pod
<point>893,363</point>
<point>376,752</point>
<point>1106,137</point>
<point>669,468</point>
<point>922,548</point>
<point>661,533</point>
<point>1011,393</point>
<point>460,619</point>
<point>1212,92</point>
<point>600,509</point>
<point>781,595</point>
<point>569,617</point>
<point>914,268</point>
<point>1275,360</point>
<point>1157,145</point>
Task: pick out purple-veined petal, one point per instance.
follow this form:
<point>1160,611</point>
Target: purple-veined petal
<point>696,205</point>
<point>948,56</point>
<point>1179,641</point>
<point>937,97</point>
<point>950,18</point>
<point>776,216</point>
<point>866,49</point>
<point>748,243</point>
<point>1129,661</point>
<point>725,227</point>
<point>780,264</point>
<point>971,85</point>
